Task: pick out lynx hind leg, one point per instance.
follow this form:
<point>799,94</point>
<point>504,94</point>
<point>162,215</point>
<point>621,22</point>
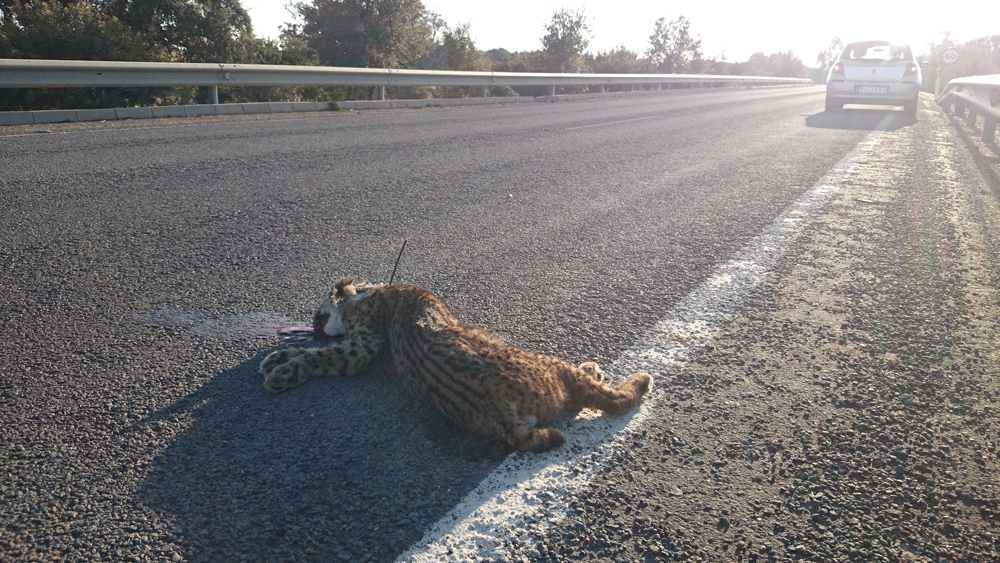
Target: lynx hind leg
<point>593,370</point>
<point>616,401</point>
<point>520,432</point>
<point>542,440</point>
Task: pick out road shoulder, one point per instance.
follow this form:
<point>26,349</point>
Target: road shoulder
<point>849,411</point>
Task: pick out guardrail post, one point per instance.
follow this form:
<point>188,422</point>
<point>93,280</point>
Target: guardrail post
<point>552,90</point>
<point>971,118</point>
<point>213,95</point>
<point>381,93</point>
<point>484,92</point>
<point>989,128</point>
<point>977,95</point>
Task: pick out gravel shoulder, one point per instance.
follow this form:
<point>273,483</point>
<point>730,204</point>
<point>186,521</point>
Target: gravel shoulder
<point>850,411</point>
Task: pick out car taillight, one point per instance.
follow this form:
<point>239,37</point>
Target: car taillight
<point>838,69</point>
<point>910,69</point>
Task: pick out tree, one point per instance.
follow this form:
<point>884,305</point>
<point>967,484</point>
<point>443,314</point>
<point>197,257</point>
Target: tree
<point>366,33</point>
<point>287,50</point>
<point>718,65</point>
<point>979,56</point>
<point>503,60</point>
<point>825,59</point>
<point>461,52</point>
<point>786,64</point>
<point>454,49</point>
<point>142,30</point>
<point>186,30</point>
<point>74,30</point>
<point>618,61</point>
<point>566,37</point>
<point>671,47</point>
<point>756,65</point>
<point>976,57</point>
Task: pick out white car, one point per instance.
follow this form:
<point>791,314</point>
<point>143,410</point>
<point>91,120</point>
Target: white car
<point>874,72</point>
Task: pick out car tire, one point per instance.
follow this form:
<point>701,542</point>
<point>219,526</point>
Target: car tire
<point>832,105</point>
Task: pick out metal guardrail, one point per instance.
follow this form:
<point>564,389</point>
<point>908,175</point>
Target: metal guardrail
<point>26,73</point>
<point>980,95</point>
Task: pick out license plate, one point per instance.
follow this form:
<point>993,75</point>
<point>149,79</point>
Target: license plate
<point>871,90</point>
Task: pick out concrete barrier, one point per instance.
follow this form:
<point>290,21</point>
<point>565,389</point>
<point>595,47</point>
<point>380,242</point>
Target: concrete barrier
<point>55,116</point>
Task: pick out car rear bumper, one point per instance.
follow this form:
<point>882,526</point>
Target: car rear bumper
<point>894,94</point>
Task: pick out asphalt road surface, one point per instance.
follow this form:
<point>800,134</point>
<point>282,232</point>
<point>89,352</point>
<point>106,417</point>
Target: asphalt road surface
<point>843,405</point>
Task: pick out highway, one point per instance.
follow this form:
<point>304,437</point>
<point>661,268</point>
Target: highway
<point>840,402</point>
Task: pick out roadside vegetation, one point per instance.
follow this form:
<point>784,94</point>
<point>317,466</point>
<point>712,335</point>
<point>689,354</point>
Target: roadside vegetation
<point>347,33</point>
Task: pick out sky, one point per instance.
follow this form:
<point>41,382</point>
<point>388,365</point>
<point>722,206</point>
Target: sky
<point>733,29</point>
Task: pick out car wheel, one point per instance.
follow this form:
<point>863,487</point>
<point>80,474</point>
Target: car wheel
<point>832,105</point>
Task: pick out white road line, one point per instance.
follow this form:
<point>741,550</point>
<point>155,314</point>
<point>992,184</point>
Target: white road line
<point>503,518</point>
<point>603,123</point>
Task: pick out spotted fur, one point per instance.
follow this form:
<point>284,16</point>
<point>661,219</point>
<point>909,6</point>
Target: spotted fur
<point>470,376</point>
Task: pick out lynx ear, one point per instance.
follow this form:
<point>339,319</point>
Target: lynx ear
<point>344,288</point>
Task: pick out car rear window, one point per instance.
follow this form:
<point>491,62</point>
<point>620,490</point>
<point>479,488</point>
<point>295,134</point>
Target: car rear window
<point>876,51</point>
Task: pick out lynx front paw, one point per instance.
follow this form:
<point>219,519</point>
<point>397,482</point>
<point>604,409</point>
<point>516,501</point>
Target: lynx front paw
<point>284,377</point>
<point>276,358</point>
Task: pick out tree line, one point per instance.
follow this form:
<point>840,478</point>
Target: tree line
<point>349,33</point>
<point>975,58</point>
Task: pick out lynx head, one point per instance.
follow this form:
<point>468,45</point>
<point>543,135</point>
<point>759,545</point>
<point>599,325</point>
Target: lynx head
<point>329,321</point>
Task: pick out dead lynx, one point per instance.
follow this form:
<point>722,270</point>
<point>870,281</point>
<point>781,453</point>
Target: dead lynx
<point>476,381</point>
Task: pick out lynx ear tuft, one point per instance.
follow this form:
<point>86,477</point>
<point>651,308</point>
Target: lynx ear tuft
<point>344,288</point>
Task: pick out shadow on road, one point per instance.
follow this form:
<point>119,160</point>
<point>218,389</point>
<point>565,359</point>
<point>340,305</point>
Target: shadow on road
<point>340,469</point>
<point>860,119</point>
